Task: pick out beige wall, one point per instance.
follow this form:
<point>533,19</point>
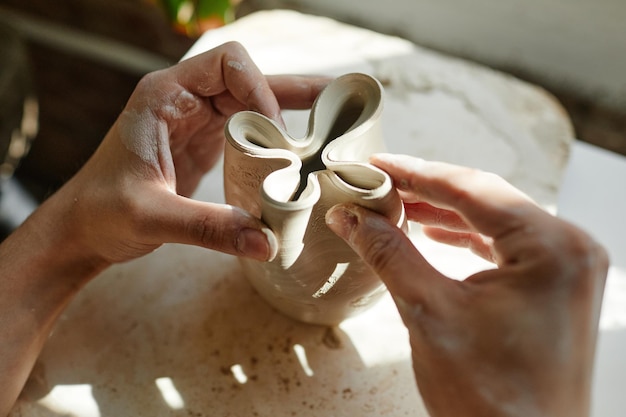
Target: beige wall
<point>575,44</point>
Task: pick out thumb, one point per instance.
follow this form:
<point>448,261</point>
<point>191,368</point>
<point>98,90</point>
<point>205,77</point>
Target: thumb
<point>220,227</point>
<point>387,250</point>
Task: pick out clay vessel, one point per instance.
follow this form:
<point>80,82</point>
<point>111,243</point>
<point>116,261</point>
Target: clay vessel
<point>290,183</point>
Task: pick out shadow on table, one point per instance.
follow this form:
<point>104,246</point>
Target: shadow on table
<point>182,333</point>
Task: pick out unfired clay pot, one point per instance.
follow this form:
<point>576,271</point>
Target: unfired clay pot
<point>291,183</point>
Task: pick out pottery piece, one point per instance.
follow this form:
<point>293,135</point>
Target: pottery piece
<point>290,183</point>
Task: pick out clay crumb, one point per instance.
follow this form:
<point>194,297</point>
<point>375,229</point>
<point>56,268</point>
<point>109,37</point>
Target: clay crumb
<point>331,339</point>
<point>346,394</point>
<point>237,66</point>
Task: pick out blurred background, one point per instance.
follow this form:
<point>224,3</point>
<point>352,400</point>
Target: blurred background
<point>67,67</point>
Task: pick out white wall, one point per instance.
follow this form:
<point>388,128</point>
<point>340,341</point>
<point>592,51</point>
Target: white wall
<point>574,44</point>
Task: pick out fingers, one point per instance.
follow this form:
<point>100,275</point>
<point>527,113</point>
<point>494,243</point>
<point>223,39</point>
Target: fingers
<point>484,201</point>
<point>387,250</point>
<point>297,91</point>
<point>224,228</point>
<point>447,227</point>
<point>228,75</point>
<point>429,215</point>
<point>477,243</point>
<point>291,91</point>
<point>228,67</point>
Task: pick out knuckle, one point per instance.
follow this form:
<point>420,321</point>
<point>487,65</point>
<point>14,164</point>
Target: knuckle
<point>575,255</point>
<point>203,231</point>
<point>380,252</point>
<point>233,47</point>
<point>148,81</point>
<point>234,55</point>
<point>589,264</point>
<point>589,255</point>
<point>579,248</point>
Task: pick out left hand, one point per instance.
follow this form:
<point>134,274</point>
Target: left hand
<point>132,195</point>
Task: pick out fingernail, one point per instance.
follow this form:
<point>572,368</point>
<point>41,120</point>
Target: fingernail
<point>341,220</point>
<point>257,244</point>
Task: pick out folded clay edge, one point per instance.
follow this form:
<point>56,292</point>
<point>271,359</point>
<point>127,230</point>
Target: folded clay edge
<point>344,156</point>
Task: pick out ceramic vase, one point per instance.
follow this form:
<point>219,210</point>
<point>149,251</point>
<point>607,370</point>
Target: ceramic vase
<point>290,183</point>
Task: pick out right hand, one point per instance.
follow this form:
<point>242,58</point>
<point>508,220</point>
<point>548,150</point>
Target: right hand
<point>517,340</point>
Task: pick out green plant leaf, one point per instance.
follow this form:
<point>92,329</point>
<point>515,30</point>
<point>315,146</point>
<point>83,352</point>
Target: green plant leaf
<point>171,8</point>
<point>208,8</point>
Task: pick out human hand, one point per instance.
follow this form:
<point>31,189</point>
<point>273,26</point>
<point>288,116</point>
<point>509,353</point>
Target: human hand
<point>517,340</point>
<point>132,195</point>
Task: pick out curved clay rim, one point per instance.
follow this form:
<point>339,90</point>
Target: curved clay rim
<point>343,112</point>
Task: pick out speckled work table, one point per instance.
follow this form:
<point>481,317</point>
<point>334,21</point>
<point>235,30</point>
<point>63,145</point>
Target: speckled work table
<point>181,333</point>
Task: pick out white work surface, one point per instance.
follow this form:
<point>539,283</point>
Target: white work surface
<point>181,333</point>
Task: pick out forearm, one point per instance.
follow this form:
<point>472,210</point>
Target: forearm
<point>43,266</point>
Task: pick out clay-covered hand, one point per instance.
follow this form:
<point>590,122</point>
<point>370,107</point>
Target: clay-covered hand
<point>515,340</point>
<point>132,195</point>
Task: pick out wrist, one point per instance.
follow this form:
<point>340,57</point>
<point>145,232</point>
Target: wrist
<point>505,395</point>
<point>43,264</point>
<point>49,254</point>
